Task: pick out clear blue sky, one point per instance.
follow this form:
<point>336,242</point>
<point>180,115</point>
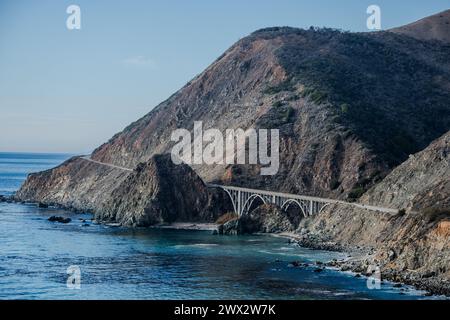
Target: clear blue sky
<point>70,91</point>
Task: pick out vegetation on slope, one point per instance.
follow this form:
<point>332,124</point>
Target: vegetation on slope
<point>390,90</point>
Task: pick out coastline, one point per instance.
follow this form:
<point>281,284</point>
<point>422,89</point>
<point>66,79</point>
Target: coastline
<point>356,261</point>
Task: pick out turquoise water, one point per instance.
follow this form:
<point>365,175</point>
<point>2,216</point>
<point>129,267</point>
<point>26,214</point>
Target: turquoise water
<point>120,263</point>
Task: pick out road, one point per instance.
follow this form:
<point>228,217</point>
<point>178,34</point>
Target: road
<point>268,193</point>
<point>88,158</point>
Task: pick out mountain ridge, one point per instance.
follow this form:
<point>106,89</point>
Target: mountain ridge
<point>361,116</point>
<point>434,27</point>
<point>349,106</point>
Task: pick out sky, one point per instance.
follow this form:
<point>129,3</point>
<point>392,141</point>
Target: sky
<point>69,91</point>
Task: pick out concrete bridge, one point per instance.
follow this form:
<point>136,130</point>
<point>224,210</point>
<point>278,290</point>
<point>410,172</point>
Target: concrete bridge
<point>242,199</point>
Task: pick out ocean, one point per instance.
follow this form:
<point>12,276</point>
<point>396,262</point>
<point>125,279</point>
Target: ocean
<point>40,259</point>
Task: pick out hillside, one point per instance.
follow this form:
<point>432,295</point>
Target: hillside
<point>412,246</point>
<point>431,28</point>
<point>420,183</point>
<point>350,107</point>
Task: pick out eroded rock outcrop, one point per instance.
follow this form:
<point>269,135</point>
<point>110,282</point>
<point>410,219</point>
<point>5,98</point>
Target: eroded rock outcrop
<point>412,246</point>
<point>158,192</point>
<point>267,218</point>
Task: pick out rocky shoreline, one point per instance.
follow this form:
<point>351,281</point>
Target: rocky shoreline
<point>411,247</point>
<point>363,259</point>
<point>360,262</point>
<point>387,147</point>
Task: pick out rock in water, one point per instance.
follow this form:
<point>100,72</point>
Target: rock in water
<point>59,219</point>
<point>231,227</point>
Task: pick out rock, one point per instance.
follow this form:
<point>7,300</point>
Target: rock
<point>318,270</point>
<point>303,231</point>
<point>158,192</point>
<point>429,274</point>
<point>295,263</point>
<point>266,218</point>
<point>391,254</point>
<point>42,205</point>
<point>345,268</point>
<point>397,285</point>
<point>59,219</point>
<point>2,198</point>
<point>231,227</point>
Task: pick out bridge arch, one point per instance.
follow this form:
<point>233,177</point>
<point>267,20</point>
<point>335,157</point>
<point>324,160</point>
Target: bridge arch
<point>288,202</point>
<point>233,201</point>
<point>248,203</point>
<point>324,205</point>
<point>308,205</point>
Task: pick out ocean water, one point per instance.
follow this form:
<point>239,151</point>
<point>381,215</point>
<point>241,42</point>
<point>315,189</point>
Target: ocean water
<point>121,263</point>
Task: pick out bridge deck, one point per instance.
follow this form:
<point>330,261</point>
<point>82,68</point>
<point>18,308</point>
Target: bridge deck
<point>308,198</point>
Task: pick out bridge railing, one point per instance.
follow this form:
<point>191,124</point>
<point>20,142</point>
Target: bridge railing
<point>306,198</point>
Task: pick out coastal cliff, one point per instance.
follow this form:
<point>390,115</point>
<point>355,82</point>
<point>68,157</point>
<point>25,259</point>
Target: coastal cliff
<point>412,246</point>
<point>160,192</point>
<point>351,109</point>
<point>155,192</point>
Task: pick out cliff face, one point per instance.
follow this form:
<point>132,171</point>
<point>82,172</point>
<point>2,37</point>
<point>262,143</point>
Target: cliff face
<point>158,192</point>
<point>76,184</point>
<point>421,182</point>
<point>349,106</point>
<point>413,246</point>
